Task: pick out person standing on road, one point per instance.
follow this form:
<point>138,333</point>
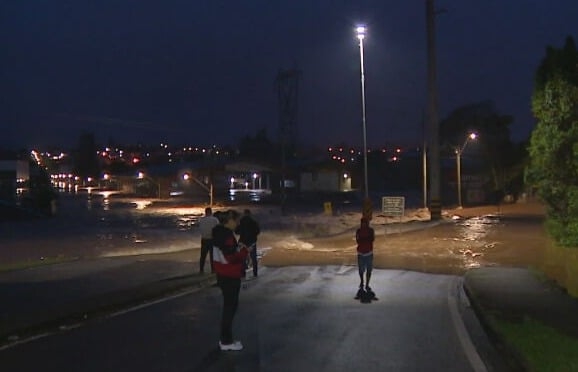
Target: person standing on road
<point>248,231</point>
<point>364,236</point>
<point>229,263</point>
<point>206,225</point>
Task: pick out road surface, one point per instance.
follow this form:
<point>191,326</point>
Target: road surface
<point>290,319</point>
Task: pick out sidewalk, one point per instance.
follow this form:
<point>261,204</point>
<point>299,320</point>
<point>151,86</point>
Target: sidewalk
<point>48,297</point>
<point>517,294</point>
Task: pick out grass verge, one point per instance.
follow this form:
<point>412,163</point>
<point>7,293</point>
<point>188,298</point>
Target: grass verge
<point>543,348</point>
<point>20,265</point>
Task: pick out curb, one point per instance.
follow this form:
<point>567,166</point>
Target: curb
<point>513,358</point>
<point>98,307</point>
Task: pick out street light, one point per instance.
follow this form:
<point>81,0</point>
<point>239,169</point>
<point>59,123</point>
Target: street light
<point>361,30</point>
<point>459,151</point>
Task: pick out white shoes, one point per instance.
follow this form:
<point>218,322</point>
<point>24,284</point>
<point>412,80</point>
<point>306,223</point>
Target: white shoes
<point>233,346</point>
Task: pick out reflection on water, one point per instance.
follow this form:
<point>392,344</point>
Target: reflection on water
<point>252,195</point>
<point>480,241</point>
<point>91,225</point>
<point>142,204</point>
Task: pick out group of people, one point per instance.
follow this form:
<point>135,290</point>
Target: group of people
<point>228,260</point>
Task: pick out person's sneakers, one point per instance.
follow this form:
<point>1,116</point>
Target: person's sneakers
<point>233,346</point>
<point>370,293</point>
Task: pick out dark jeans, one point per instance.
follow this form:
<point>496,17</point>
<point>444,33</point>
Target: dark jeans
<point>206,247</point>
<point>230,288</point>
<point>253,256</point>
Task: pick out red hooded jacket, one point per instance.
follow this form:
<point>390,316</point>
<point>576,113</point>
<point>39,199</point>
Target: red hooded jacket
<point>364,237</point>
<point>228,258</point>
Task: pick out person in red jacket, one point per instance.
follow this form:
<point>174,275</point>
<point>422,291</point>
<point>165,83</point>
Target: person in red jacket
<point>229,263</point>
<point>364,236</point>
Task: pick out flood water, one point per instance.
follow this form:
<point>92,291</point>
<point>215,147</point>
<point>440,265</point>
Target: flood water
<point>97,226</point>
<point>452,248</point>
<point>93,226</point>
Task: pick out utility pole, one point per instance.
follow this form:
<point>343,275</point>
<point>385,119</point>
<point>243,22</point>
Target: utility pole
<point>424,159</point>
<point>287,84</point>
<point>435,206</point>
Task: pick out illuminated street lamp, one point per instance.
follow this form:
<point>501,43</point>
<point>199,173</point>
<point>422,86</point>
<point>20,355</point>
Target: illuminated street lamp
<point>361,31</point>
<point>459,151</point>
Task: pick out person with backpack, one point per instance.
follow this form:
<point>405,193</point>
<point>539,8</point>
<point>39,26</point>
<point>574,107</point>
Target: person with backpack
<point>248,231</point>
<point>364,236</point>
<point>229,263</point>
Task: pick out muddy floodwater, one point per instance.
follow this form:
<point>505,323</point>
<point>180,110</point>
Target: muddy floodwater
<point>95,227</point>
<point>514,237</point>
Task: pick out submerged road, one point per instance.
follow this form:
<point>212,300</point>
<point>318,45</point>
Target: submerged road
<point>290,319</point>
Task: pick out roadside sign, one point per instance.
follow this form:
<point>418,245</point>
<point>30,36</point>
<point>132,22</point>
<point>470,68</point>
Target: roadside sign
<point>393,206</point>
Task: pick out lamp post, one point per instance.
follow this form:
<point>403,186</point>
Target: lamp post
<point>459,151</point>
<point>361,30</point>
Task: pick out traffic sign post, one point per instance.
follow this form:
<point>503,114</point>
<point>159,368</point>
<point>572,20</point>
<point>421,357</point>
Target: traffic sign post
<point>393,206</point>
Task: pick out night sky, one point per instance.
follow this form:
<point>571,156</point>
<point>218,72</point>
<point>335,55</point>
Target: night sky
<point>202,72</point>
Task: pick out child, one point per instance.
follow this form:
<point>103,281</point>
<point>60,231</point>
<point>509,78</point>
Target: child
<point>364,237</point>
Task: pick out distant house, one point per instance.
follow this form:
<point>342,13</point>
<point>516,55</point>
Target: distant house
<point>324,177</point>
<point>225,179</point>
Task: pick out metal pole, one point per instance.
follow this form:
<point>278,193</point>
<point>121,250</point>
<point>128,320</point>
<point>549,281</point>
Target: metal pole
<point>459,170</point>
<point>211,195</point>
<point>363,118</point>
<point>434,151</point>
<point>424,161</point>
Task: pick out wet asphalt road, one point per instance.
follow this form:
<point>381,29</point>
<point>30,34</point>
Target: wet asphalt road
<point>290,319</point>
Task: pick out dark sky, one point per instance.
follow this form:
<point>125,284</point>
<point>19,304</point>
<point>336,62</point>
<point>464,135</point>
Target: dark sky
<point>203,72</point>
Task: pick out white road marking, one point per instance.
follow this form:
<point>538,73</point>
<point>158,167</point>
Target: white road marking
<point>69,327</point>
<point>344,269</point>
<point>25,340</point>
<point>150,303</point>
<point>465,340</point>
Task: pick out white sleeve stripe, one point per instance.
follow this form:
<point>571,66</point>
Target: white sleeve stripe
<point>218,256</point>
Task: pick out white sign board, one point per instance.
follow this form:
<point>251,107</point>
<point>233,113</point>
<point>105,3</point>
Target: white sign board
<point>393,206</point>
